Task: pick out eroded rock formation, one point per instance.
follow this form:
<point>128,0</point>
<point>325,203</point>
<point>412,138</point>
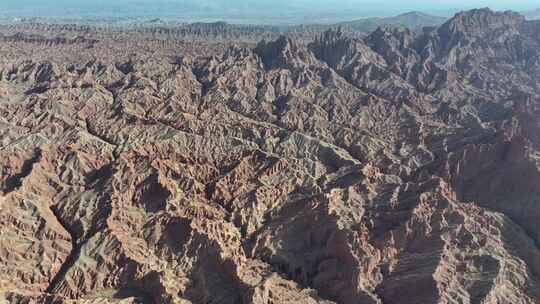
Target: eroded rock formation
<point>397,168</point>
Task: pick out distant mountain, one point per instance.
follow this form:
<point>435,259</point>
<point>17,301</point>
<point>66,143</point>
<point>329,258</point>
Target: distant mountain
<point>412,20</point>
<point>532,15</point>
<point>176,27</point>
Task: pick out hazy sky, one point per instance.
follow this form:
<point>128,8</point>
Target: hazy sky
<point>252,8</point>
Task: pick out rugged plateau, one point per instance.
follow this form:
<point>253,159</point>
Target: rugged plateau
<point>399,167</point>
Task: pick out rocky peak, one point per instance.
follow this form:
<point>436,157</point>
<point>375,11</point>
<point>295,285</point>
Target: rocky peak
<point>338,50</point>
<point>283,53</point>
<point>479,21</point>
<point>474,30</point>
<point>396,46</point>
<point>332,46</point>
<point>236,51</point>
<point>393,38</point>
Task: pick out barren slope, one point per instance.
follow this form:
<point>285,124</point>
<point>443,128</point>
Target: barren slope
<point>398,168</point>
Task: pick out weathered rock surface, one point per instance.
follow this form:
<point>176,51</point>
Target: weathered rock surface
<point>398,168</point>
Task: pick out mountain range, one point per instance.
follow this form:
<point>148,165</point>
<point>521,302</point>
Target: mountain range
<point>400,166</point>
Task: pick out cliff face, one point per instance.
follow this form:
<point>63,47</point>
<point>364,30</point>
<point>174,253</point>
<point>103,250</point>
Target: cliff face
<point>397,168</point>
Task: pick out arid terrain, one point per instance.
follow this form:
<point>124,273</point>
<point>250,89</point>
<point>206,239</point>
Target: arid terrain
<point>147,166</point>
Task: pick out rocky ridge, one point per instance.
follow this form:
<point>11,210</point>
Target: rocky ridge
<point>213,32</point>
